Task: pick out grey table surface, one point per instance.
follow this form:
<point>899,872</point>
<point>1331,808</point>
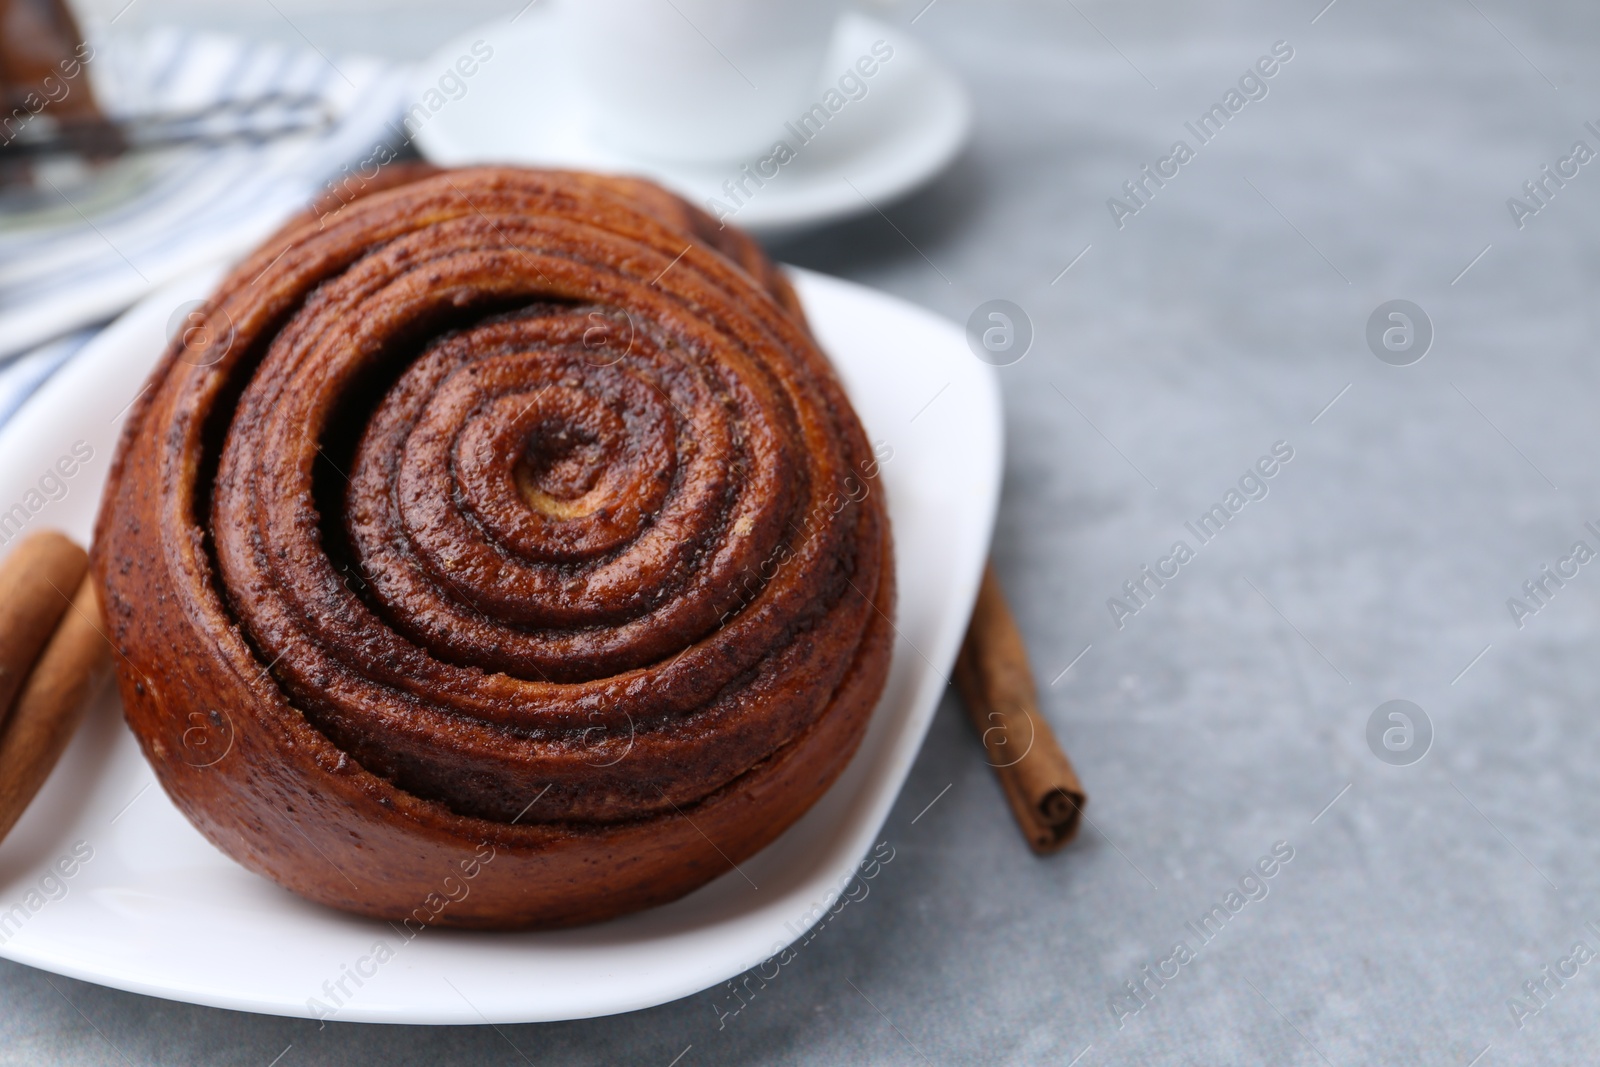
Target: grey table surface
<point>1229,713</point>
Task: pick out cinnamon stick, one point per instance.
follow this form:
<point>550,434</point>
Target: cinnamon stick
<point>35,581</point>
<point>74,664</point>
<point>996,683</point>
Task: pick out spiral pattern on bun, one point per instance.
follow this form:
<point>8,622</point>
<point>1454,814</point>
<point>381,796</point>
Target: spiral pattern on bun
<point>505,509</point>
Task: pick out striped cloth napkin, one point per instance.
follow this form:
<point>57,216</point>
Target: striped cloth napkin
<point>89,251</point>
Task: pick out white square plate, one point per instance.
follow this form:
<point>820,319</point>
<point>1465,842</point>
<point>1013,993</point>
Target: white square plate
<point>157,910</point>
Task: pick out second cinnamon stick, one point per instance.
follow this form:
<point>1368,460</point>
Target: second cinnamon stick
<point>996,683</point>
<point>75,662</point>
<point>35,581</point>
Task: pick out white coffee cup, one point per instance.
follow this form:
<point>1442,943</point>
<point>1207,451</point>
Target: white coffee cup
<point>699,80</point>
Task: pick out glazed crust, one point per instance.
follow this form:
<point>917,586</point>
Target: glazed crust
<point>505,527</point>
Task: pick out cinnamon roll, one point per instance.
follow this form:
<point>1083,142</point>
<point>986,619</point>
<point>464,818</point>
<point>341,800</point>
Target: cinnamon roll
<point>498,549</point>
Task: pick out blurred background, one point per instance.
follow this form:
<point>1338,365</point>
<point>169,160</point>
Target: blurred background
<point>1177,341</point>
<point>401,29</point>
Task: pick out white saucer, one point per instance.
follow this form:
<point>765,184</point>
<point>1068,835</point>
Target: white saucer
<point>158,910</point>
<point>523,106</point>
